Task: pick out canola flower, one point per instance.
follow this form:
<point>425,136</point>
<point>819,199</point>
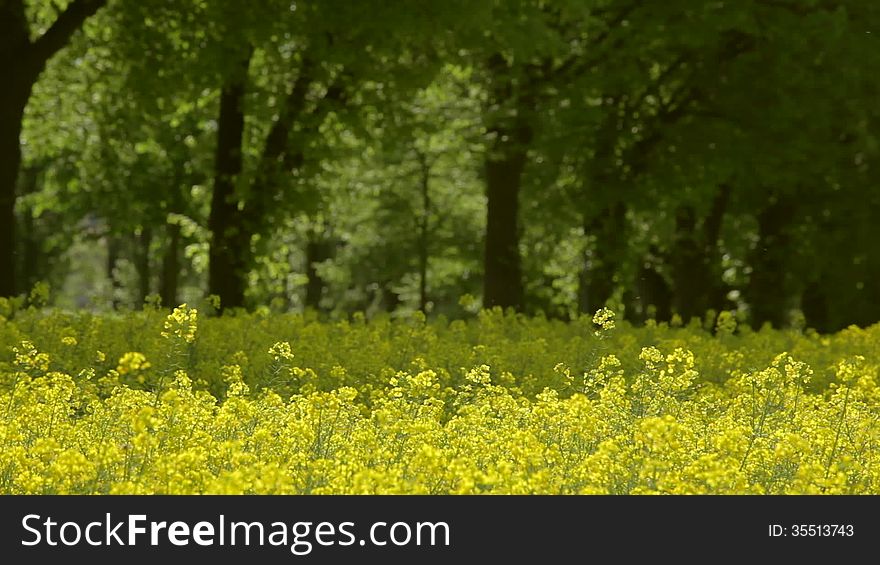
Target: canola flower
<point>182,324</point>
<point>604,318</point>
<point>132,362</point>
<point>503,405</point>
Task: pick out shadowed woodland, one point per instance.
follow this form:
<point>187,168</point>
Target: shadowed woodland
<point>667,159</point>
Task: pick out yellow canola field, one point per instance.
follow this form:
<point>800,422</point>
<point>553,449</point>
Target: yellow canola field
<point>144,403</point>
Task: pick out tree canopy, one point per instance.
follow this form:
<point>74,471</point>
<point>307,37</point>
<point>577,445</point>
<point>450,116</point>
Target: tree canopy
<point>555,156</point>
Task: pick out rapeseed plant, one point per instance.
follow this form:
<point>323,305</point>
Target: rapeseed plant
<point>500,404</point>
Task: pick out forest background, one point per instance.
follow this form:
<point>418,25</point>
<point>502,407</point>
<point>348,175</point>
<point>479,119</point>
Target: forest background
<point>666,159</point>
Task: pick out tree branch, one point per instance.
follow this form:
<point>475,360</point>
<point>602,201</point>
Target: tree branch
<point>657,84</point>
<point>67,23</point>
<point>279,157</point>
<point>577,64</point>
<point>14,29</point>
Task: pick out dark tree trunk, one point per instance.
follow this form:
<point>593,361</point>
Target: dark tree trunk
<point>277,158</point>
<point>390,300</point>
<point>712,240</point>
<point>654,293</point>
<point>22,62</point>
<point>377,296</point>
<point>17,83</point>
<point>314,284</point>
<point>29,269</point>
<point>502,283</point>
<point>112,259</point>
<point>230,245</point>
<point>767,290</point>
<point>600,263</point>
<point>424,227</point>
<point>695,260</point>
<point>814,304</point>
<point>237,227</point>
<point>596,282</point>
<point>12,102</point>
<point>171,266</point>
<point>317,250</point>
<point>689,267</point>
<point>142,264</point>
<point>504,164</point>
<point>169,278</point>
<point>30,263</point>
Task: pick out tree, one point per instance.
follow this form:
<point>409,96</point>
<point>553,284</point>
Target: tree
<point>673,158</point>
<point>24,58</point>
<point>328,71</point>
<point>516,58</point>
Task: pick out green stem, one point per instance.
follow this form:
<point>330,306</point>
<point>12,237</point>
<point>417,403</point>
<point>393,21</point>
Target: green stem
<point>837,435</point>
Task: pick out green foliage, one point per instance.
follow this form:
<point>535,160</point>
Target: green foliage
<point>639,117</point>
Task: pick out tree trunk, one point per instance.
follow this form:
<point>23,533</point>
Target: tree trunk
<point>230,245</point>
<point>317,250</point>
<point>654,294</point>
<point>12,102</point>
<point>171,266</point>
<point>695,260</point>
<point>502,283</point>
<point>112,259</point>
<point>237,227</point>
<point>767,289</point>
<point>596,282</point>
<point>504,164</point>
<point>14,94</point>
<point>277,159</point>
<point>424,229</point>
<point>712,240</point>
<point>390,300</point>
<point>22,62</point>
<point>596,279</point>
<point>814,304</point>
<point>29,266</point>
<point>170,275</point>
<point>688,262</point>
<point>142,264</point>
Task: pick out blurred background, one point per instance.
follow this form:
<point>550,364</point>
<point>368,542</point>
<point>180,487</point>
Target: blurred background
<point>666,159</point>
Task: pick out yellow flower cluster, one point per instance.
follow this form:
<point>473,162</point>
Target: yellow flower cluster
<point>28,358</point>
<point>181,324</point>
<point>132,362</point>
<point>604,318</point>
<point>443,410</point>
